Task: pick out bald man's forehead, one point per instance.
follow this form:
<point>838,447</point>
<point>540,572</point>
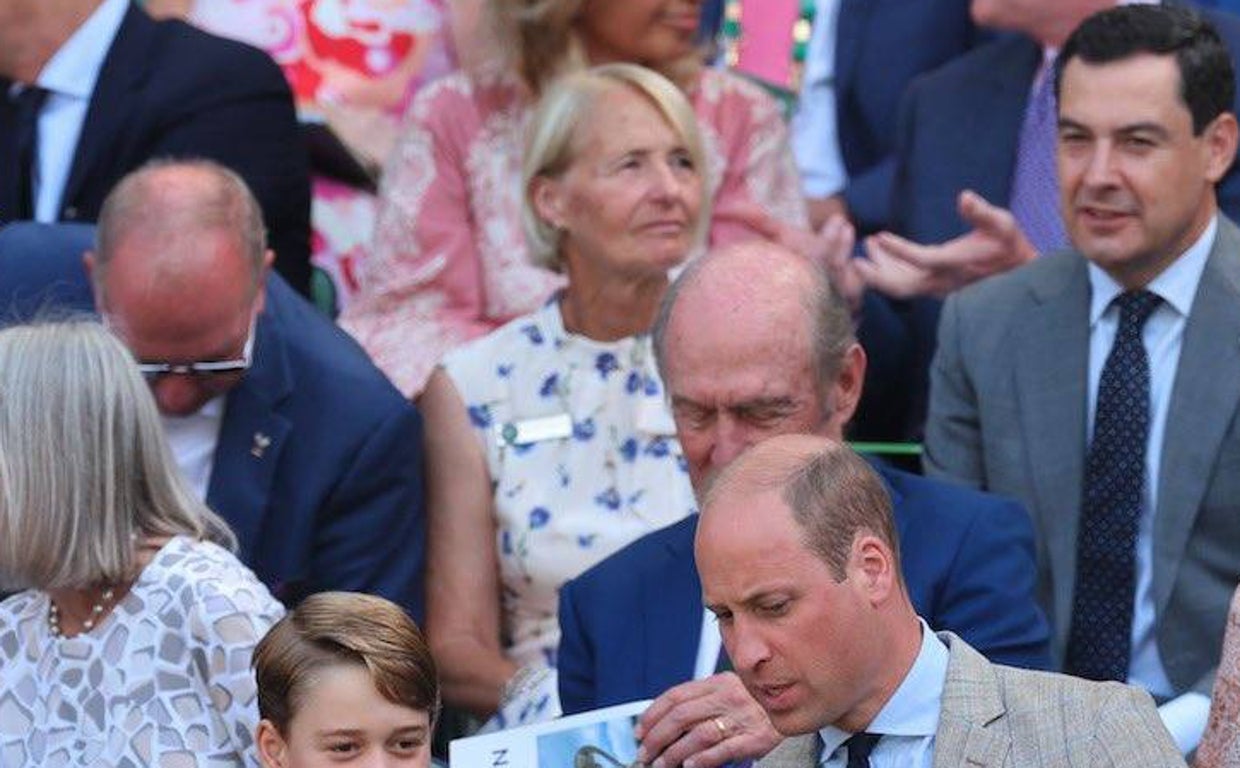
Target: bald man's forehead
<point>196,270</point>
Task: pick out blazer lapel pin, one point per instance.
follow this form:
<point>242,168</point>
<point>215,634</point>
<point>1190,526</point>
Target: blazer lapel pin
<point>261,441</point>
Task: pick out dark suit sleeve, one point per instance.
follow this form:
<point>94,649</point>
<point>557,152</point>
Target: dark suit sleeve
<point>371,535</point>
<point>574,661</point>
<point>868,196</point>
<point>993,603</point>
<point>1228,26</point>
<point>243,117</point>
<point>884,410</point>
<point>953,448</point>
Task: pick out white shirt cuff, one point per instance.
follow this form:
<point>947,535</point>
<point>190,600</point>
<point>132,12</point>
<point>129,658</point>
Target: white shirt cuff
<point>1185,717</point>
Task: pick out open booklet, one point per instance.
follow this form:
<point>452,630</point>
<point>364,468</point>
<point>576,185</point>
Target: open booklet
<point>602,738</point>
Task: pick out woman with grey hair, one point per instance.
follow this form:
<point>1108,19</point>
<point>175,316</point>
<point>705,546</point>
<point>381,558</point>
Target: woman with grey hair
<point>549,442</point>
<point>131,642</point>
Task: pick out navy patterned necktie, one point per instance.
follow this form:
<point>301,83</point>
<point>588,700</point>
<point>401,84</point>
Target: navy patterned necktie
<point>859,747</point>
<point>1100,640</point>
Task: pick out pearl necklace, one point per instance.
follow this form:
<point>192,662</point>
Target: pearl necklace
<point>96,612</point>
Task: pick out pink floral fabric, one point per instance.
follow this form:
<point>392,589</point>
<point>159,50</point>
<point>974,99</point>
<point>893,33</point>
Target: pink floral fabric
<point>1220,746</point>
<point>355,65</point>
<point>449,261</point>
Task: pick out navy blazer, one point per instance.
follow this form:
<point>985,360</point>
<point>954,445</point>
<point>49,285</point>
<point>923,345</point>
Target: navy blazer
<point>631,624</point>
<point>870,80</point>
<point>167,89</point>
<point>318,466</point>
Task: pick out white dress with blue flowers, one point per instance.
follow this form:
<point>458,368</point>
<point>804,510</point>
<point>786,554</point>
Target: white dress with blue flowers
<point>582,454</point>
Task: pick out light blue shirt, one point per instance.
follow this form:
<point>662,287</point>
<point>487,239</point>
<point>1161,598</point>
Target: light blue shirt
<point>69,77</point>
<point>1163,338</point>
<point>815,132</point>
<point>909,719</point>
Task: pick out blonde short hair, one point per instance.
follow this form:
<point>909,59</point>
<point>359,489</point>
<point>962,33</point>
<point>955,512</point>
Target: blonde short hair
<point>552,140</point>
<point>330,628</point>
<point>85,471</point>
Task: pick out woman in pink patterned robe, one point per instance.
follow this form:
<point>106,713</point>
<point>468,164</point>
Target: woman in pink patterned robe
<point>449,260</point>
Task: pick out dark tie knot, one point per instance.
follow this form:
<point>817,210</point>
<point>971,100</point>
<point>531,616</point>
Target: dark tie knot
<point>29,99</point>
<point>859,747</point>
<point>1135,307</point>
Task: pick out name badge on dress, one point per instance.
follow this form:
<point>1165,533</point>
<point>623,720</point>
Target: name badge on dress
<point>537,430</point>
<point>654,417</point>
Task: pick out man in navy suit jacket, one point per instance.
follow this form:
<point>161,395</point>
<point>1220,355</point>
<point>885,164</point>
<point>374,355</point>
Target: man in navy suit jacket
<point>753,342</point>
<point>312,456</point>
<point>868,80</point>
<point>163,89</point>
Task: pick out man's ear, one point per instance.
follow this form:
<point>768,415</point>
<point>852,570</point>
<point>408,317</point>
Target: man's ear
<point>91,264</point>
<point>873,564</point>
<point>846,389</point>
<point>272,749</point>
<point>1221,139</point>
<point>260,300</point>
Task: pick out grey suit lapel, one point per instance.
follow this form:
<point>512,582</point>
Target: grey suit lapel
<point>1203,400</point>
<point>970,729</point>
<point>1051,372</point>
<point>794,752</point>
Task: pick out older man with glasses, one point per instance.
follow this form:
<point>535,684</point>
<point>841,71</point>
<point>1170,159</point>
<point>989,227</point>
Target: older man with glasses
<point>277,419</point>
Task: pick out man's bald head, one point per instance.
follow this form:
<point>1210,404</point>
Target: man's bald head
<point>832,493</point>
<point>796,552</point>
<point>169,205</point>
<point>760,281</point>
<point>752,341</point>
<point>179,273</point>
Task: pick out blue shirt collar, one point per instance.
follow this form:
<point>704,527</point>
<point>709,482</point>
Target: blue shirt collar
<point>913,710</point>
<point>1176,285</point>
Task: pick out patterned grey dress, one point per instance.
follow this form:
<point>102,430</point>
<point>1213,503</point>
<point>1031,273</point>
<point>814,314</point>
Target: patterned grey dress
<point>164,680</point>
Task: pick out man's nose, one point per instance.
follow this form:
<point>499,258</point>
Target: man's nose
<point>745,646</point>
<point>1101,168</point>
<point>176,394</point>
<point>731,440</point>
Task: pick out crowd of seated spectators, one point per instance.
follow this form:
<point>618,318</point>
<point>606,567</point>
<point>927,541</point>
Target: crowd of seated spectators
<point>587,254</point>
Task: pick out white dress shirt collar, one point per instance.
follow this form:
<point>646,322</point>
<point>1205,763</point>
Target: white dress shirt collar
<point>913,710</point>
<point>74,69</point>
<point>1176,285</point>
<point>193,440</point>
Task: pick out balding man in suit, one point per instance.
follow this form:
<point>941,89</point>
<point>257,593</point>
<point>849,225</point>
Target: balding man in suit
<point>797,552</point>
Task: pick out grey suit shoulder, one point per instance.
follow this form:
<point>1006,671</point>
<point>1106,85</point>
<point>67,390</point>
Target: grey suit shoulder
<point>1008,413</point>
<point>995,717</point>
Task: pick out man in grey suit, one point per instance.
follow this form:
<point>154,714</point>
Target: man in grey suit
<point>1101,386</point>
<point>799,562</point>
